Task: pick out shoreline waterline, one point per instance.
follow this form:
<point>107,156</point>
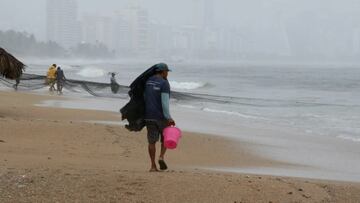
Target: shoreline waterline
<point>283,145</point>
<point>45,150</point>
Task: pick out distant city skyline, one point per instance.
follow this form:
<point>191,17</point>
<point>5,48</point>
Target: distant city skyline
<point>32,18</point>
<point>211,28</point>
<point>130,30</point>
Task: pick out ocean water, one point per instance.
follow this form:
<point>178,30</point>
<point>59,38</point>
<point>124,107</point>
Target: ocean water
<point>315,100</point>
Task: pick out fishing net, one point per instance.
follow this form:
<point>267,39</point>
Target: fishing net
<point>30,82</point>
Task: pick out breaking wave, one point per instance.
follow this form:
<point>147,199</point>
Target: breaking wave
<point>230,113</point>
<point>349,137</point>
<point>187,85</point>
<point>91,72</point>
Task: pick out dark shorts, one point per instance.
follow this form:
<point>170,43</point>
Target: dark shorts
<point>155,129</point>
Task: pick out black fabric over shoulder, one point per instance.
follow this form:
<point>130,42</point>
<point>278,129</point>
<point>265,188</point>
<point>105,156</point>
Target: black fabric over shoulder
<point>134,110</point>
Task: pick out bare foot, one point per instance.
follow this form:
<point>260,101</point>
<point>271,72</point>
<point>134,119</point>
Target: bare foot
<point>153,170</point>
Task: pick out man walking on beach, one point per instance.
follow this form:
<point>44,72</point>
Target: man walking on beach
<point>157,114</point>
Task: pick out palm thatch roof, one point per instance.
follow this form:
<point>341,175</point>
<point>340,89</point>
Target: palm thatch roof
<point>10,67</point>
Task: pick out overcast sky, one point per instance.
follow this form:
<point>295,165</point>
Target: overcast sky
<point>29,15</point>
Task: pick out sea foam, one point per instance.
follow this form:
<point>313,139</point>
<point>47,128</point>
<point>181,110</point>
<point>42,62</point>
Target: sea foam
<point>349,137</point>
<point>232,113</point>
<point>186,85</point>
<point>91,72</point>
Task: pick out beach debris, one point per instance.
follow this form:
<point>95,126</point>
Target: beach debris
<point>23,180</point>
<point>247,176</point>
<point>21,186</point>
<point>130,193</point>
<point>290,193</point>
<point>2,141</point>
<point>306,196</point>
<point>300,189</point>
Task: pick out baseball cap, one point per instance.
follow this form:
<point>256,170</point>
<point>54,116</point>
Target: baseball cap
<point>162,67</point>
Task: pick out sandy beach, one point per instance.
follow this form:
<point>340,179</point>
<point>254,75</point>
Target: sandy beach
<point>58,155</point>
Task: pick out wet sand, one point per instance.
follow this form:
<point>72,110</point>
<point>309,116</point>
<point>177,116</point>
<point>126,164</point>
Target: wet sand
<point>50,154</point>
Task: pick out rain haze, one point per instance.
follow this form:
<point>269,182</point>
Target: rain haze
<point>201,29</point>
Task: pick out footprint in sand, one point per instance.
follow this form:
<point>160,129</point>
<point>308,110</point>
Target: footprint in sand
<point>120,188</point>
<point>130,193</point>
<point>110,130</point>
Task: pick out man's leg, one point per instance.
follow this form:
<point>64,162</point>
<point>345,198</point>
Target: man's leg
<point>17,83</point>
<point>162,125</point>
<point>153,137</point>
<point>52,87</point>
<point>152,152</point>
<point>163,151</point>
<point>162,163</point>
<point>58,86</point>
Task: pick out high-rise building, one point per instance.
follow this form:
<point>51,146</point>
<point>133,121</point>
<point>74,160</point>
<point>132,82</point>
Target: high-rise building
<point>197,13</point>
<point>208,13</point>
<point>123,35</point>
<point>62,25</point>
<point>135,28</point>
<point>98,29</point>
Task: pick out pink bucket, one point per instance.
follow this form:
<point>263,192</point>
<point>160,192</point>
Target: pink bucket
<point>171,137</point>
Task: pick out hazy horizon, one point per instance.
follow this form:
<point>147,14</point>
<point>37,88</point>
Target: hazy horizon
<point>31,17</point>
<point>325,27</point>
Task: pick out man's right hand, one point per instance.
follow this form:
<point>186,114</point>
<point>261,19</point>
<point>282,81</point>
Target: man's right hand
<point>171,122</point>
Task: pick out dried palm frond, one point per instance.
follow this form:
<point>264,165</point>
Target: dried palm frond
<point>10,67</point>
